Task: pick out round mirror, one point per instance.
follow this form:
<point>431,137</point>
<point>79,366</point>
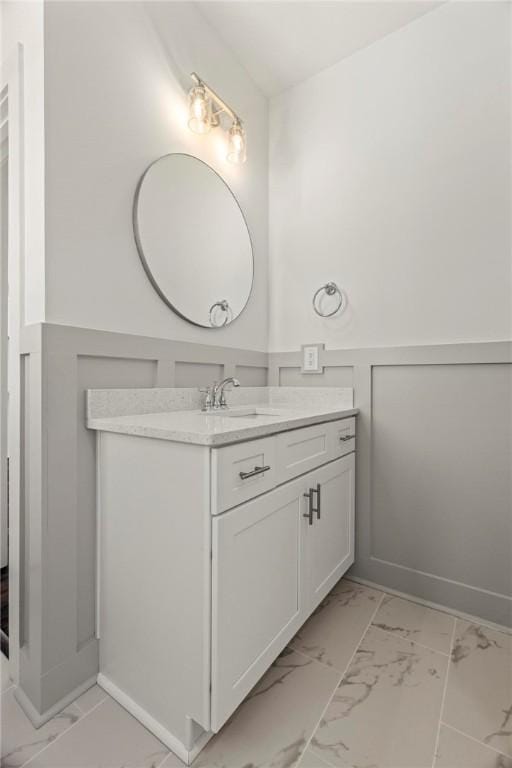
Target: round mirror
<point>193,240</point>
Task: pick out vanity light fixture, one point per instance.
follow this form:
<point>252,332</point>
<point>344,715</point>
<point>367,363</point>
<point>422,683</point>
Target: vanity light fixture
<point>237,144</point>
<point>200,109</point>
<point>205,109</point>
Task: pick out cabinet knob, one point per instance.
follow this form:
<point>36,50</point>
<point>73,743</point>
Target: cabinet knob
<point>344,438</point>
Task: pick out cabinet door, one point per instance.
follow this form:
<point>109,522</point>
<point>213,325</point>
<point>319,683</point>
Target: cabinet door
<point>257,591</point>
<point>330,540</point>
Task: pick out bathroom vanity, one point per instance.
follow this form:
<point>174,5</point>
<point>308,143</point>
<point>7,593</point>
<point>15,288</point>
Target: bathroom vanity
<point>218,536</point>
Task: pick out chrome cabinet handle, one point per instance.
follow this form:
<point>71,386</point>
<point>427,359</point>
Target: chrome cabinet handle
<point>309,513</point>
<point>346,437</point>
<point>317,491</point>
<point>254,472</point>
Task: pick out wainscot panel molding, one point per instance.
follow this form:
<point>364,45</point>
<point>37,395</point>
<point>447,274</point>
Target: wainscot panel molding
<point>434,499</point>
<point>59,647</point>
<point>459,391</point>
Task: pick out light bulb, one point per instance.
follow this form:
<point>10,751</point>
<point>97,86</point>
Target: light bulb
<point>200,110</point>
<point>237,151</point>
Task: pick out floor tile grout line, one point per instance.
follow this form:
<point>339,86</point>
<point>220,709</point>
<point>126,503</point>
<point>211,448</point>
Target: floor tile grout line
<point>472,738</point>
<point>292,647</point>
<point>445,689</point>
<point>323,762</point>
<point>164,758</point>
<point>437,608</point>
<point>306,746</point>
<point>374,626</point>
<point>415,642</point>
<point>66,730</point>
<point>95,705</point>
<point>331,697</point>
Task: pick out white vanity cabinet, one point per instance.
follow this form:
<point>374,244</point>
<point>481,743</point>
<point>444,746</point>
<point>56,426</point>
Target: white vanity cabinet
<point>210,560</point>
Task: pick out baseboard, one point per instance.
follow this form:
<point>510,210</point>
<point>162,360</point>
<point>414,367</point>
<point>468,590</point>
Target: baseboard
<point>35,717</point>
<point>156,728</point>
<point>435,606</point>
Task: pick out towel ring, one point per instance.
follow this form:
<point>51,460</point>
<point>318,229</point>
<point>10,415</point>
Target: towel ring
<point>330,289</point>
<point>224,306</point>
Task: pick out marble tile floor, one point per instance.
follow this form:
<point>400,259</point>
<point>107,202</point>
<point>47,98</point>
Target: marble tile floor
<point>370,681</point>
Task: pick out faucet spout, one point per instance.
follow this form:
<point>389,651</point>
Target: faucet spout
<point>218,393</point>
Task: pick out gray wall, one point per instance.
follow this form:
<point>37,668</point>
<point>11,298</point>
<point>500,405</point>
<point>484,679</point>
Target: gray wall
<point>434,506</point>
<point>59,648</point>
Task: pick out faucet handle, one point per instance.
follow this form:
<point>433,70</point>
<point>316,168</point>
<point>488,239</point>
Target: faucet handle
<point>208,400</point>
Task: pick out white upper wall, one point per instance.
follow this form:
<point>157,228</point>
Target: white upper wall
<point>23,23</point>
<point>116,78</point>
<point>390,174</point>
<point>281,43</point>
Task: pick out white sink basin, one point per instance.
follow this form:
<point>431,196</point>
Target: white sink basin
<point>250,412</point>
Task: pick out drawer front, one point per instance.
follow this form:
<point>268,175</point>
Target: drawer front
<point>343,436</point>
<point>239,472</point>
<point>301,450</point>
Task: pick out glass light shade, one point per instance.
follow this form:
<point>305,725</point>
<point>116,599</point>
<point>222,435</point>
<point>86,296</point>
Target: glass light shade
<point>200,110</point>
<point>237,151</point>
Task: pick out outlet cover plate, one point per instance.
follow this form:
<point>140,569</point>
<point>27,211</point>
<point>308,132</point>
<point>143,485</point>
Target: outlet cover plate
<point>311,358</point>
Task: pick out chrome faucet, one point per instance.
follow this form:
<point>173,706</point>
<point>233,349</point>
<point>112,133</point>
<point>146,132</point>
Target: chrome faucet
<point>218,396</point>
<point>214,396</point>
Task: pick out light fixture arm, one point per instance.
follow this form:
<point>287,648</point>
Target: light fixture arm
<point>205,108</point>
<point>223,107</point>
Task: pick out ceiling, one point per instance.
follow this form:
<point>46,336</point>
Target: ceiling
<point>281,44</point>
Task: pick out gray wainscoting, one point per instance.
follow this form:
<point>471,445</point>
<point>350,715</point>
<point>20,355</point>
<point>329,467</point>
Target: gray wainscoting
<point>58,518</point>
<point>434,467</point>
<point>433,482</point>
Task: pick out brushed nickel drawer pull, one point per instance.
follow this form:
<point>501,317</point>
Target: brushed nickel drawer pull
<point>254,472</point>
<point>309,513</point>
<point>346,437</point>
<point>317,491</point>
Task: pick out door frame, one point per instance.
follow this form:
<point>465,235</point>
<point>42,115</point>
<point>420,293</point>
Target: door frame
<point>4,333</point>
<point>11,79</point>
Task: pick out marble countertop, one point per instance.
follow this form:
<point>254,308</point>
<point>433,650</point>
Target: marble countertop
<point>215,429</point>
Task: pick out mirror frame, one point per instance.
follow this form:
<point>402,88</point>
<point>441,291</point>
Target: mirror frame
<point>143,259</point>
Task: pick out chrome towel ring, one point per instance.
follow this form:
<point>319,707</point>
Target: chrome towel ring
<point>223,305</point>
<point>330,289</point>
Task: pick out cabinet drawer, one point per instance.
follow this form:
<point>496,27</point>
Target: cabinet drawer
<point>343,436</point>
<point>241,472</point>
<point>301,450</point>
